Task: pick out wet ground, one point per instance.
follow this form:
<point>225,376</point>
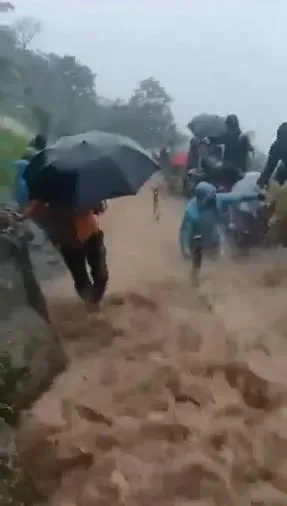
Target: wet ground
<point>173,396</point>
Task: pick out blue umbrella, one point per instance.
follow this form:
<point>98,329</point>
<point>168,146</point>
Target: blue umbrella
<point>84,169</point>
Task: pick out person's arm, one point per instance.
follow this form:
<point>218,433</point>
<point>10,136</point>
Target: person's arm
<point>230,198</point>
<point>33,208</point>
<point>271,164</point>
<point>185,234</point>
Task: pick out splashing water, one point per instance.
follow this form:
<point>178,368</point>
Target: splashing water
<point>172,397</point>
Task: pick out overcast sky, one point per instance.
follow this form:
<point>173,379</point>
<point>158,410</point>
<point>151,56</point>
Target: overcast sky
<point>221,56</point>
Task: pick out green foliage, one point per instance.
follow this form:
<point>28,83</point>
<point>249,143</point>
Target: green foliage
<point>12,146</point>
<point>146,117</point>
<point>57,94</point>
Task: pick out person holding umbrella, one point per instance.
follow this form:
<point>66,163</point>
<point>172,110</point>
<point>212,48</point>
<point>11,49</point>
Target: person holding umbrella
<point>227,132</point>
<point>80,241</point>
<point>236,149</point>
<point>67,180</point>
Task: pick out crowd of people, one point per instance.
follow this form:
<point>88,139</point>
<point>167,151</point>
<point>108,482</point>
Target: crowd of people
<point>208,207</point>
<point>80,238</point>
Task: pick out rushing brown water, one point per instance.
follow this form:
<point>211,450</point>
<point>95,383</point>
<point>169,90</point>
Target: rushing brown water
<point>173,397</point>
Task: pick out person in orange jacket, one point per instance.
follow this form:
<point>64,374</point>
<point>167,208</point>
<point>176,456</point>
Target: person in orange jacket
<point>80,240</point>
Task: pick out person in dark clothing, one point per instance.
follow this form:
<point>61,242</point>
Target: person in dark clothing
<point>237,145</point>
<point>236,149</point>
<point>39,142</point>
<point>163,157</point>
<point>91,252</point>
<point>277,154</point>
<point>204,161</point>
<point>192,169</point>
<point>35,146</point>
<point>231,141</point>
<point>193,158</point>
<point>80,240</point>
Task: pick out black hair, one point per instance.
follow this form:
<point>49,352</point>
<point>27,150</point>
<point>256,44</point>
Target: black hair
<point>232,119</point>
<point>282,131</point>
<point>40,142</point>
<point>232,123</point>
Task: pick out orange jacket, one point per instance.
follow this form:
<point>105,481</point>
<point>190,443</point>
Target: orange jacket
<point>79,226</point>
<point>86,225</point>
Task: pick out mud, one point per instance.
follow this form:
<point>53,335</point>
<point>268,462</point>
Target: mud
<point>173,396</point>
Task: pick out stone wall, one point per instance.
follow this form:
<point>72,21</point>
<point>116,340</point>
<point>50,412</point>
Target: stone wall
<point>26,333</point>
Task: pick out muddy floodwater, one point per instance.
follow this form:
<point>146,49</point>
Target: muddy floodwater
<point>172,397</point>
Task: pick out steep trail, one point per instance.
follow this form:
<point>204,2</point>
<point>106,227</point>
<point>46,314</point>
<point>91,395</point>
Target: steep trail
<point>172,397</point>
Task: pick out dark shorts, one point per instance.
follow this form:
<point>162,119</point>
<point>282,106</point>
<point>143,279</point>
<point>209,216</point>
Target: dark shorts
<point>91,254</point>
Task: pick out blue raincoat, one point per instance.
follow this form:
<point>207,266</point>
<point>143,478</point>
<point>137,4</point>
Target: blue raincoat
<point>204,214</point>
<point>21,193</point>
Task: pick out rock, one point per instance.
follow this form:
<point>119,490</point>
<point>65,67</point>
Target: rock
<point>46,260</point>
<point>26,335</point>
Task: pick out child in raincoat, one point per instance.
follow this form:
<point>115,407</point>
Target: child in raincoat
<point>203,216</point>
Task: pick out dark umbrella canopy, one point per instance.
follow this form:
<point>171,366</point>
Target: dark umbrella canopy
<point>207,125</point>
<point>83,169</point>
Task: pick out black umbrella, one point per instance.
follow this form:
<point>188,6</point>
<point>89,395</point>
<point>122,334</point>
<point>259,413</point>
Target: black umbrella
<point>81,170</point>
<point>207,125</point>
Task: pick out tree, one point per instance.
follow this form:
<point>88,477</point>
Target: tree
<point>76,93</point>
<point>26,29</point>
<point>42,119</point>
<point>150,91</point>
<point>146,117</point>
<point>57,94</point>
<point>7,70</point>
<point>9,74</point>
<point>6,7</point>
<point>58,86</point>
<point>151,106</point>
